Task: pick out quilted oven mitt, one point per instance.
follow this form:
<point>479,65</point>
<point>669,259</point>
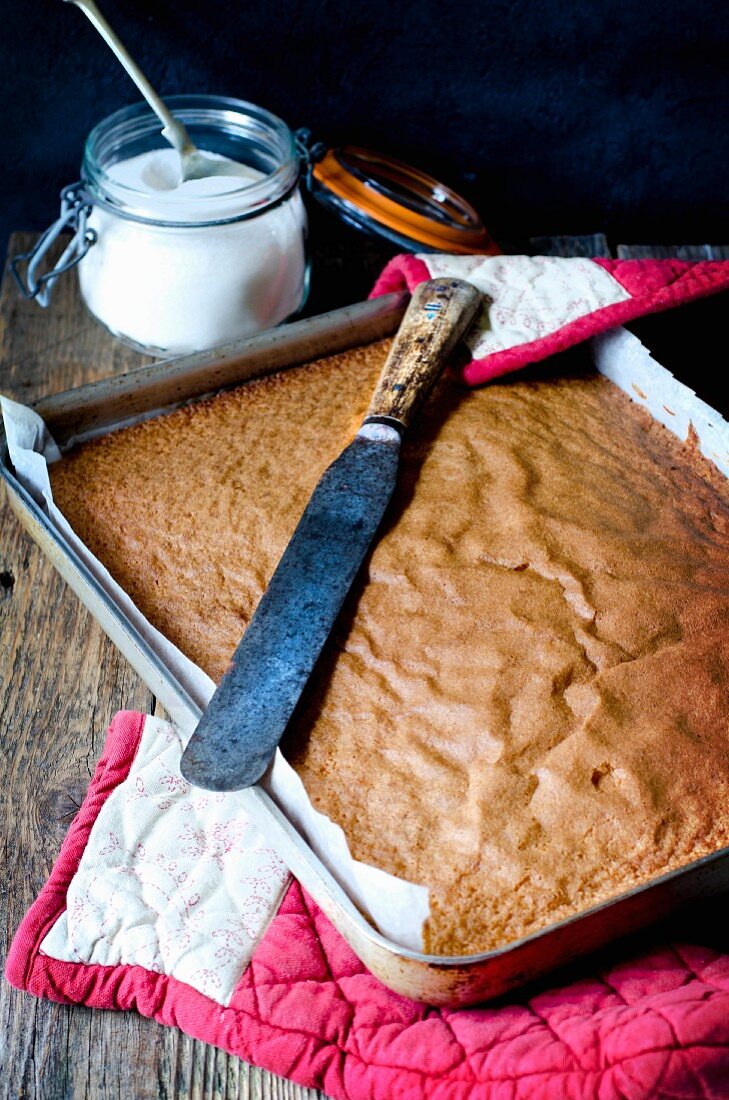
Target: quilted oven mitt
<point>539,305</point>
<point>165,899</point>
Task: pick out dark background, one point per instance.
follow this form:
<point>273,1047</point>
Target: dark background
<point>557,117</point>
<point>553,117</point>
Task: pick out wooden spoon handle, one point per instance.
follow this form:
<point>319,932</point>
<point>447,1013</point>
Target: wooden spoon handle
<point>438,316</point>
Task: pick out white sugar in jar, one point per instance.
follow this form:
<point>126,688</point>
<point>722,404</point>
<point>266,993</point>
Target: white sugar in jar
<point>180,267</point>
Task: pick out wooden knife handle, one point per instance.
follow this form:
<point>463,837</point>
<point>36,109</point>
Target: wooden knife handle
<point>438,316</point>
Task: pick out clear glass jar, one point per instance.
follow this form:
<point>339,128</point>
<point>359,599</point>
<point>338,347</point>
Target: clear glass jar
<point>171,276</point>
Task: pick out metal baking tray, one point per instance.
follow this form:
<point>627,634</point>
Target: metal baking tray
<point>458,980</point>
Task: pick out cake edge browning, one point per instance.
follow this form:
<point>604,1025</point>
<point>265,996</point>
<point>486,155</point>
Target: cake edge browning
<point>290,390</point>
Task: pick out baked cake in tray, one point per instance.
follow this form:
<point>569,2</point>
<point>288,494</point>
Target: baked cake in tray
<point>524,704</point>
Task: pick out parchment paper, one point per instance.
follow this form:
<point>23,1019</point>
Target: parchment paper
<point>397,908</point>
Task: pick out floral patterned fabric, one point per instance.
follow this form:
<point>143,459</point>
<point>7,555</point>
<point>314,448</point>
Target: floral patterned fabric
<point>535,306</point>
<point>305,1007</point>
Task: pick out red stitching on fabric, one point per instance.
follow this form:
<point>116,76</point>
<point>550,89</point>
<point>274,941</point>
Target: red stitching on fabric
<point>170,1001</point>
<point>562,1042</point>
<point>613,990</point>
<point>547,1074</point>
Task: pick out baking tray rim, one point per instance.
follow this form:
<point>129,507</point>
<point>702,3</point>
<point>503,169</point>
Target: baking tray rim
<point>24,501</point>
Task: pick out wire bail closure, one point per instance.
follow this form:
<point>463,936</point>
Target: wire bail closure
<point>310,153</point>
<point>76,206</point>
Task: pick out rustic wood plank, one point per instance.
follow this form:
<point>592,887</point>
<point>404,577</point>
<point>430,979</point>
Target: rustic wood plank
<point>679,251</point>
<point>46,350</point>
<point>61,681</point>
<point>592,244</point>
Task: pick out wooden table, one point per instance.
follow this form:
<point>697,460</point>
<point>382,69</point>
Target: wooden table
<point>61,681</point>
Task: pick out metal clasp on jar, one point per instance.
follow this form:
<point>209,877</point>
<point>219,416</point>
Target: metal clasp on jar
<point>75,208</point>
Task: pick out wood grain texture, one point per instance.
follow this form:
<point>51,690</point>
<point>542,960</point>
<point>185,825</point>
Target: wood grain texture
<point>677,251</point>
<point>594,244</point>
<point>61,681</point>
<point>439,314</point>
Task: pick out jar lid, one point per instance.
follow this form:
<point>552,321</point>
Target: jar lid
<point>389,199</point>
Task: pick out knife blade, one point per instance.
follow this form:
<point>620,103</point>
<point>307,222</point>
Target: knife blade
<point>239,731</point>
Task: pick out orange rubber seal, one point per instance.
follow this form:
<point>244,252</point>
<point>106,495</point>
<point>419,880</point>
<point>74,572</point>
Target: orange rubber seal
<point>403,199</point>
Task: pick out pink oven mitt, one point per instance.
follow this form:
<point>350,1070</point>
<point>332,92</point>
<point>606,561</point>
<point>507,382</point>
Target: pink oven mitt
<point>166,900</point>
<point>539,305</point>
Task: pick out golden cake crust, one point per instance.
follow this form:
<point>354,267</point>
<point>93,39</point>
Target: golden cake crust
<point>524,703</point>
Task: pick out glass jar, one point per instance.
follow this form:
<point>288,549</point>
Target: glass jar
<point>169,271</point>
<point>170,275</point>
